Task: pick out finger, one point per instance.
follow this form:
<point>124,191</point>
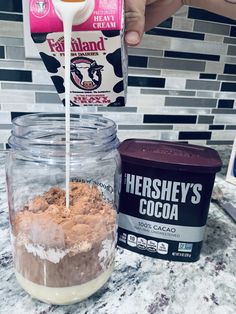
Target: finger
<point>135,20</point>
<point>159,11</point>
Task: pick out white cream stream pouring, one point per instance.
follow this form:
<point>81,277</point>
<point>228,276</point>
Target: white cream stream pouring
<point>67,11</point>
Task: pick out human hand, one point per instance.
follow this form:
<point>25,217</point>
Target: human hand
<point>142,15</point>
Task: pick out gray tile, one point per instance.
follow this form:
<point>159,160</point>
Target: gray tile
<point>213,28</point>
<point>203,94</point>
<point>124,117</point>
<point>117,109</point>
<point>219,142</point>
<point>144,52</point>
<point>151,42</point>
<point>158,109</point>
<point>11,29</point>
<point>124,134</point>
<point>144,71</point>
<point>230,40</point>
<point>149,91</point>
<point>202,85</point>
<point>28,87</point>
<point>182,12</point>
<point>230,127</point>
<point>224,111</point>
<point>196,46</point>
<point>47,98</point>
<point>190,102</point>
<point>34,64</point>
<point>179,74</point>
<point>5,126</point>
<point>214,67</point>
<point>17,97</point>
<point>84,109</point>
<point>225,119</point>
<point>226,95</point>
<point>4,64</point>
<point>169,136</point>
<point>227,59</point>
<point>232,50</point>
<point>41,77</point>
<point>11,41</point>
<point>182,24</point>
<point>15,53</point>
<point>214,38</point>
<point>2,146</point>
<point>169,63</point>
<point>223,77</point>
<point>205,119</point>
<point>191,127</point>
<point>177,83</point>
<point>145,127</point>
<point>225,135</point>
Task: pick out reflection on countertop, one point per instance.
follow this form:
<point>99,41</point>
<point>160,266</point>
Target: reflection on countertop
<point>144,285</point>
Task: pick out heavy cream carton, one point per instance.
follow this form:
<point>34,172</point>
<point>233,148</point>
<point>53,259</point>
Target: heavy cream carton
<point>98,56</point>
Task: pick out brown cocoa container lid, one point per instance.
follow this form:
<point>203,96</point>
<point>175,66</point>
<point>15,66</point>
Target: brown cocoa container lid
<point>170,155</point>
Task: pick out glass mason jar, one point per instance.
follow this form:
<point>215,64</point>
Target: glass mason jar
<point>63,255</point>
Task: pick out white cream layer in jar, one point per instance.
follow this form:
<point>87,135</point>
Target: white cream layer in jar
<point>64,295</point>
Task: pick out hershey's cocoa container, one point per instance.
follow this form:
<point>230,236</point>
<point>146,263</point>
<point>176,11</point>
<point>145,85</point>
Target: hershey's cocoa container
<point>165,195</point>
<point>98,56</point>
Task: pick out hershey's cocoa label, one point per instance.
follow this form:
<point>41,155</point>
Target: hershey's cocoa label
<point>163,213</point>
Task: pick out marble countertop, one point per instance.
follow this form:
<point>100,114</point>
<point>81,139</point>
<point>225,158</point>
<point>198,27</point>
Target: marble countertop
<point>141,285</point>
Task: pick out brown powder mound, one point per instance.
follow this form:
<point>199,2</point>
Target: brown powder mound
<point>45,224</point>
<point>46,221</point>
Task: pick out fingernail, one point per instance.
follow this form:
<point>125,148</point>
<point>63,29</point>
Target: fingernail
<point>132,38</point>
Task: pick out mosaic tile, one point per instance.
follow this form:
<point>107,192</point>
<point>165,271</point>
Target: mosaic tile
<point>15,75</point>
<point>47,98</point>
<point>11,41</point>
<point>216,127</point>
<point>11,6</point>
<point>182,24</point>
<point>146,81</point>
<point>33,87</point>
<point>205,119</point>
<point>11,17</point>
<point>194,135</point>
<point>15,53</point>
<point>232,50</point>
<point>190,102</point>
<point>11,29</point>
<point>214,28</point>
<point>169,119</point>
<point>168,63</point>
<point>136,51</point>
<point>202,85</point>
<point>226,103</point>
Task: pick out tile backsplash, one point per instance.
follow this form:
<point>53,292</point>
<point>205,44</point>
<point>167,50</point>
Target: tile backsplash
<point>182,80</point>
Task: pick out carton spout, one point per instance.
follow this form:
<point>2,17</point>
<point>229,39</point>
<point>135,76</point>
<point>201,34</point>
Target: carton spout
<point>79,9</point>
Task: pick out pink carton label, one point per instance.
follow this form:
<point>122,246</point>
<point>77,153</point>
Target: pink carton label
<point>98,56</point>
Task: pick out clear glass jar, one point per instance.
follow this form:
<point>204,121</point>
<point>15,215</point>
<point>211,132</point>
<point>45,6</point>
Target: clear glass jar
<point>62,256</point>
